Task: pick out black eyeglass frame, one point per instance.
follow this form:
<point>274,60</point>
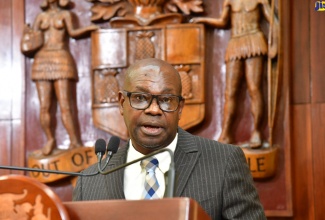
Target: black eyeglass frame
<point>128,94</point>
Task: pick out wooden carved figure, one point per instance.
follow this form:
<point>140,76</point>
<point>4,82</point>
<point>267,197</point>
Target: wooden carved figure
<point>244,59</point>
<point>54,70</point>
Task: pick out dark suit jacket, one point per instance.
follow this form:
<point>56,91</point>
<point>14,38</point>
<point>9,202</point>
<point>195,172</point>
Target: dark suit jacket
<point>215,175</point>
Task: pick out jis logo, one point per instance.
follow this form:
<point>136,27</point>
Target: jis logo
<point>319,6</point>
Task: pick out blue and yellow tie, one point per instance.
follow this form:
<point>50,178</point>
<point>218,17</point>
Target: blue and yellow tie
<point>151,184</point>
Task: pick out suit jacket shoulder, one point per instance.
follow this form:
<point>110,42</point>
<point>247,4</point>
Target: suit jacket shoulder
<point>217,176</point>
<point>102,187</point>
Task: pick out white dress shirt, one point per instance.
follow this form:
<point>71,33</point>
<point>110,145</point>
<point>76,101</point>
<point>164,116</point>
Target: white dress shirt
<point>134,175</point>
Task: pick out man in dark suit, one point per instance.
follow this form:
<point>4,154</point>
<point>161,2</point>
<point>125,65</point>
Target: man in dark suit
<point>216,175</point>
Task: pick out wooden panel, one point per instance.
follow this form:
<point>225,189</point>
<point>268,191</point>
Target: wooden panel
<point>302,163</point>
<point>317,53</point>
<point>176,208</point>
<point>5,60</point>
<point>184,44</point>
<point>300,47</point>
<point>11,84</point>
<point>18,76</point>
<point>17,145</point>
<point>5,84</point>
<point>318,142</point>
<point>5,144</point>
<point>17,73</point>
<point>109,38</point>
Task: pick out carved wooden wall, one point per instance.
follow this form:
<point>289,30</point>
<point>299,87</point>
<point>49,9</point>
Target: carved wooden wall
<point>303,116</point>
<point>307,108</point>
<point>12,85</point>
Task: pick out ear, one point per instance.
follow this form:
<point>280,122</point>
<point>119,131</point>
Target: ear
<point>180,108</point>
<point>121,100</point>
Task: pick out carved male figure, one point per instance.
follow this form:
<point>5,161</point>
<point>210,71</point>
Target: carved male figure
<point>244,59</point>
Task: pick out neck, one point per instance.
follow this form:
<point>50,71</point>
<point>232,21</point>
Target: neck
<point>53,5</point>
<point>146,150</point>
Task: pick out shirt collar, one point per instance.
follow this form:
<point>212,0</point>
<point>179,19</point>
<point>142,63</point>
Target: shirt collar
<point>163,158</point>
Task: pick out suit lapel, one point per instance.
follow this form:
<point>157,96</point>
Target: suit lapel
<point>186,156</point>
<point>114,181</point>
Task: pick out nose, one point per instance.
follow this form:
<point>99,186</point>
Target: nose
<point>153,108</point>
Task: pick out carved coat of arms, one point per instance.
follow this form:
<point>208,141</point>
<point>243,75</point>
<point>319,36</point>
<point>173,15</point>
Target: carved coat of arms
<point>141,29</point>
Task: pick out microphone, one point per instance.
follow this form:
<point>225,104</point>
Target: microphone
<point>100,148</point>
<point>170,174</point>
<point>112,147</point>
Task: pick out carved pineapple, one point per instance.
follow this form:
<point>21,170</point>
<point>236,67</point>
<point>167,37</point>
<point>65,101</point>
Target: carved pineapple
<point>186,81</point>
<point>106,86</point>
<point>144,46</point>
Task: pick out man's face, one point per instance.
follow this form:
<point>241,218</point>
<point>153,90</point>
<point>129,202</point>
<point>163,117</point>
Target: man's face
<point>151,129</point>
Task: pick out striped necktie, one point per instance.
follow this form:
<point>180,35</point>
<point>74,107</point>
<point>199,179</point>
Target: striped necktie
<point>151,184</point>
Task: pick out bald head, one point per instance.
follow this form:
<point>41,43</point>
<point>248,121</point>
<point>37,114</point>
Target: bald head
<point>150,126</point>
<point>152,69</point>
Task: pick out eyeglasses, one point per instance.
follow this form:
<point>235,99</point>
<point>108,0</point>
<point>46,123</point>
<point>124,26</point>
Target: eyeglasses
<point>142,100</point>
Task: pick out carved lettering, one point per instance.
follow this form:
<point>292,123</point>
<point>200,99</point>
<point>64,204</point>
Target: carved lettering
<point>77,159</point>
<point>260,163</point>
<point>256,164</point>
<point>88,156</point>
<point>69,161</point>
<point>53,165</point>
<point>35,174</point>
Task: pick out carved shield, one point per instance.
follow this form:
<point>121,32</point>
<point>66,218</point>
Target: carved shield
<point>113,50</point>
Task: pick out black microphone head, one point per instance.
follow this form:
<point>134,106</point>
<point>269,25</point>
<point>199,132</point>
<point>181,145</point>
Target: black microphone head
<point>113,144</point>
<point>100,146</point>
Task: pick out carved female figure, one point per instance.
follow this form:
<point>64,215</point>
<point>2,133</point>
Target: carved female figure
<point>244,59</point>
<point>54,70</point>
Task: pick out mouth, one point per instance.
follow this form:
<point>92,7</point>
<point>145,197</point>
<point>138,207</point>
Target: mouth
<point>151,130</point>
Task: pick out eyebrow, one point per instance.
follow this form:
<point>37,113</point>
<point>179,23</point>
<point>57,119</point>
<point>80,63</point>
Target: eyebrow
<point>165,91</point>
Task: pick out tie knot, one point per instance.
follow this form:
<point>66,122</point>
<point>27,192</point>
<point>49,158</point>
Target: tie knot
<point>150,164</point>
